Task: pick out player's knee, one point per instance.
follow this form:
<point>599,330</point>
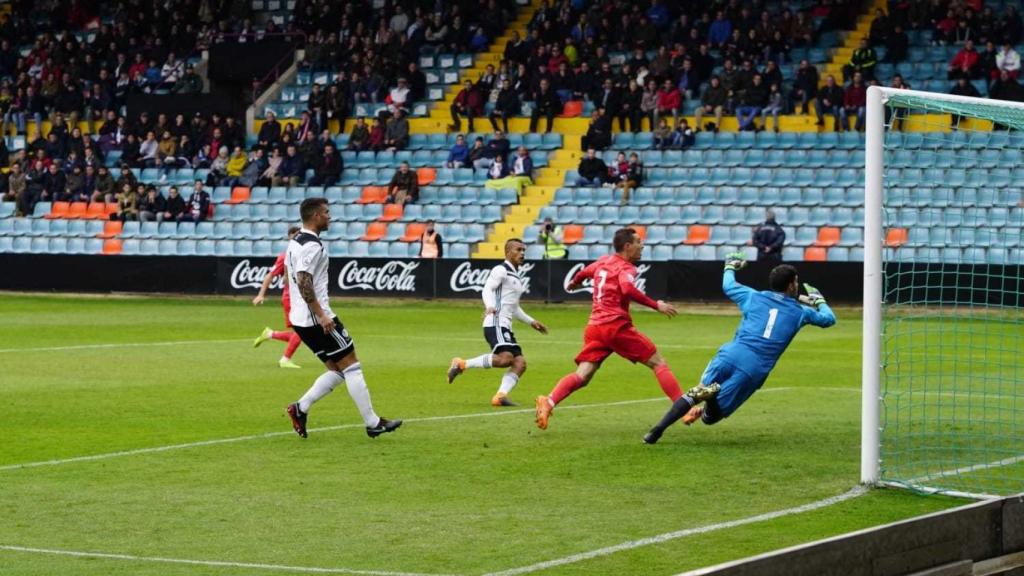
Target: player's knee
<point>502,360</point>
<point>519,365</point>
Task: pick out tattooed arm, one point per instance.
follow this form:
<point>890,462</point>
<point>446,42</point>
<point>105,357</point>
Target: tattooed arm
<point>304,282</point>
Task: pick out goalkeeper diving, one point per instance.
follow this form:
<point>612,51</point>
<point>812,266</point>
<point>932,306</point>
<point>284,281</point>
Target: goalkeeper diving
<point>771,318</point>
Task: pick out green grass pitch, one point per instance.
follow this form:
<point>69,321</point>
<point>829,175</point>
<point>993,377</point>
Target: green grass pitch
<point>480,494</point>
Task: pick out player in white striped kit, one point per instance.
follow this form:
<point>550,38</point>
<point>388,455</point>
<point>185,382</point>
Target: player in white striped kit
<point>501,294</point>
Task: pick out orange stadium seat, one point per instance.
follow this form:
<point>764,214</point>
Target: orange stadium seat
<point>896,237</point>
<point>78,211</point>
<point>58,210</point>
<point>111,228</point>
<point>641,230</point>
<point>373,195</point>
<point>239,194</point>
<point>97,211</point>
<point>425,176</point>
<point>572,109</point>
<point>392,212</point>
<point>827,236</point>
<point>413,232</point>
<point>698,234</point>
<point>375,231</point>
<point>572,234</point>
<point>112,246</point>
<point>816,254</point>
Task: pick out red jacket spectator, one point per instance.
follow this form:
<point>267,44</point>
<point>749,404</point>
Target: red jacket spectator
<point>856,96</point>
<point>965,60</point>
<point>472,100</point>
<point>669,100</point>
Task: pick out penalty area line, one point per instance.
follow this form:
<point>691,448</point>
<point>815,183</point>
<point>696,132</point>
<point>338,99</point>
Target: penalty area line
<point>216,563</point>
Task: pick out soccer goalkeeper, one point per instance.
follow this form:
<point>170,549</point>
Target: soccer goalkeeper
<point>770,321</point>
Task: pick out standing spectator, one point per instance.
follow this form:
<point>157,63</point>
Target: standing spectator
<point>468,103</point>
<point>769,239</point>
<point>896,45</point>
<point>153,206</point>
<point>431,244</point>
<point>175,206</point>
<point>629,107</point>
<point>550,236</point>
<point>592,170</point>
<point>830,101</point>
<point>599,131</point>
<point>805,87</point>
<point>545,103</point>
<point>1008,60</point>
<point>359,138</point>
<point>854,103</point>
<point>670,101</point>
<point>631,177</point>
<point>863,60</point>
<point>329,168</point>
<point>963,87</point>
<point>506,106</point>
<point>965,63</point>
<point>774,107</point>
<point>404,186</point>
<point>754,99</point>
<point>649,101</point>
<point>712,102</point>
<point>396,135</point>
<point>458,155</point>
<point>198,206</point>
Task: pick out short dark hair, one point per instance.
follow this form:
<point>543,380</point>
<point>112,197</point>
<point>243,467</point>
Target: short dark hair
<point>511,240</point>
<point>309,207</point>
<point>622,237</point>
<point>781,277</point>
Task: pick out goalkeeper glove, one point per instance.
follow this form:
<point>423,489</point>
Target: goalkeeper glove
<point>814,297</point>
<point>735,261</point>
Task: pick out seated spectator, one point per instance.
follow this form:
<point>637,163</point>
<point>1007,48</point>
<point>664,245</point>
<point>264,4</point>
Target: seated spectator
<point>1006,88</point>
<point>198,206</point>
<point>293,170</point>
<point>16,184</point>
<point>431,244</point>
<point>506,106</point>
<point>458,155</point>
<point>236,165</point>
<point>592,170</point>
<point>359,138</point>
<point>965,63</point>
<point>404,186</point>
<point>1008,60</point>
<point>649,101</point>
<point>167,152</point>
<point>376,140</point>
<point>270,132</point>
<point>189,83</point>
<point>599,132</point>
<point>498,146</point>
<point>476,153</point>
<point>896,45</point>
<point>273,165</point>
<point>469,102</point>
<point>863,60</point>
<point>683,136</point>
<point>219,168</point>
<point>396,134</point>
<point>149,150</point>
<point>497,169</point>
<point>74,187</point>
<point>830,101</point>
<point>328,169</point>
<point>776,104</point>
<point>662,135</point>
<point>627,174</point>
<point>900,113</point>
<point>171,72</point>
<point>670,101</point>
<point>127,204</point>
<point>545,103</point>
<point>518,176</point>
<point>753,100</point>
<point>712,102</point>
<point>854,103</point>
<point>54,183</point>
<point>963,87</point>
<point>399,97</point>
<point>175,206</point>
<point>254,168</point>
<point>805,87</point>
<point>307,125</point>
<point>153,206</point>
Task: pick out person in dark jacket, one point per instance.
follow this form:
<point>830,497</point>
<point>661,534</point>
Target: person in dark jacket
<point>270,132</point>
<point>963,87</point>
<point>754,98</point>
<point>714,101</point>
<point>805,87</point>
<point>198,206</point>
<point>506,106</point>
<point>545,103</point>
<point>469,103</point>
<point>599,132</point>
<point>329,168</point>
<point>629,107</point>
<point>175,205</point>
<point>404,186</point>
<point>769,238</point>
<point>830,101</point>
<point>592,170</point>
<point>292,170</point>
<point>153,206</point>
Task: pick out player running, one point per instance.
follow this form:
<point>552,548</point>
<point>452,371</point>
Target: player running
<point>505,285</point>
<point>314,322</point>
<point>288,335</point>
<point>611,327</point>
<point>771,318</point>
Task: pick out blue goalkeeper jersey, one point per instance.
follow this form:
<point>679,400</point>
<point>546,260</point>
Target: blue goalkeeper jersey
<point>770,321</point>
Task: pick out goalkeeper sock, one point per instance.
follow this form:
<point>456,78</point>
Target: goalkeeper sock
<point>482,361</point>
<point>508,382</point>
<point>679,409</point>
<point>322,387</point>
<point>293,345</point>
<point>567,385</point>
<point>667,381</point>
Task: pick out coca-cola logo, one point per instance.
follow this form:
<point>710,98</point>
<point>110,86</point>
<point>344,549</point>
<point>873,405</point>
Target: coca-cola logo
<point>392,276</point>
<point>465,278</point>
<point>245,275</point>
<point>588,284</point>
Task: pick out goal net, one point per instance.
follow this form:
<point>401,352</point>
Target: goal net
<point>944,297</point>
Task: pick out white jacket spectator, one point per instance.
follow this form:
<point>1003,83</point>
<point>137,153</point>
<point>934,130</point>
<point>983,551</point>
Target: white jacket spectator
<point>172,70</point>
<point>1008,59</point>
<point>399,95</point>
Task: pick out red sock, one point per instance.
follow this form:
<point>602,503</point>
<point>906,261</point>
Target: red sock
<point>667,381</point>
<point>293,345</point>
<point>282,336</point>
<point>567,385</point>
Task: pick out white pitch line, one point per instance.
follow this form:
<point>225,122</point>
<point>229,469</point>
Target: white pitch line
<point>660,538</point>
<point>120,345</point>
<point>217,563</point>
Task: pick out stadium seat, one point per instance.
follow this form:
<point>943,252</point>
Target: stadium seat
<point>572,109</point>
<point>373,195</point>
<point>392,212</point>
<point>239,194</point>
<point>413,232</point>
<point>572,233</point>
<point>698,234</point>
<point>815,254</point>
<point>827,236</point>
<point>426,176</point>
<point>111,246</point>
<point>896,237</point>
<point>375,231</point>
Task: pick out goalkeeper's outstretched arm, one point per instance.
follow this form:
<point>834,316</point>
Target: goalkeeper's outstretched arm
<point>818,312</point>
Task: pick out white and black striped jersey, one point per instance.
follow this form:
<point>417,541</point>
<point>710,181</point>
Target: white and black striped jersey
<point>504,286</point>
<point>307,254</point>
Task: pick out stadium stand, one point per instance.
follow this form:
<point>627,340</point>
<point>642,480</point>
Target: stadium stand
<point>700,195</point>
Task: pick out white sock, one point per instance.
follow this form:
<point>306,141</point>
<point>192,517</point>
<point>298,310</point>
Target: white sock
<point>360,393</point>
<point>322,387</point>
<point>508,382</point>
<point>482,361</point>
<point>284,359</point>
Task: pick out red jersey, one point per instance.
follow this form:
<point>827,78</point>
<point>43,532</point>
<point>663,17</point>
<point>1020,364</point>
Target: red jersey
<point>612,277</point>
<point>278,270</point>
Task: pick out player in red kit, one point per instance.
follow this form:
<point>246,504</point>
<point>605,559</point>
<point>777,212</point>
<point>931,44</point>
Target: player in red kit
<point>288,335</point>
<point>610,328</point>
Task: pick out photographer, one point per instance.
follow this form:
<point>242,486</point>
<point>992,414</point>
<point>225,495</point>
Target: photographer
<point>551,236</point>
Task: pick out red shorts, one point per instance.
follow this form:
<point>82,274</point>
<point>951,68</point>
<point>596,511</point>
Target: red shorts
<point>622,338</point>
<point>287,312</point>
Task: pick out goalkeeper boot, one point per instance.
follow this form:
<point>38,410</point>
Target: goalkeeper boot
<point>267,334</point>
<point>383,427</point>
<point>700,392</point>
<point>458,366</point>
<point>502,399</point>
<point>298,419</point>
<point>544,409</point>
<point>693,415</point>
<point>653,435</point>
